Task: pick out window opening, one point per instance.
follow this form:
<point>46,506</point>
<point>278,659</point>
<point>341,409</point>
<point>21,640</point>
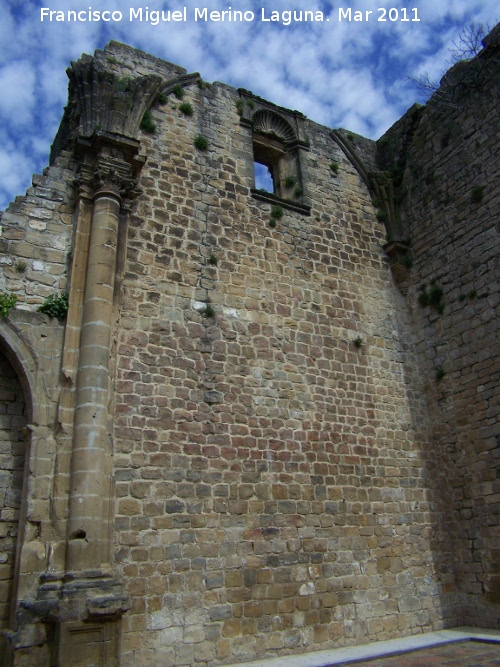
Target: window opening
<point>276,160</point>
<point>263,177</point>
<point>268,155</point>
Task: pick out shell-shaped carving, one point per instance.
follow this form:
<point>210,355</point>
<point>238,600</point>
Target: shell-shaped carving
<point>268,122</point>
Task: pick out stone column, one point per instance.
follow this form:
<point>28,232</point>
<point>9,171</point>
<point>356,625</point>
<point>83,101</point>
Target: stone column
<point>90,485</point>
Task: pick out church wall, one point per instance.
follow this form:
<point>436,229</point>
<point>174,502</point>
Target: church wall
<point>298,449</point>
<point>271,491</point>
<point>449,211</point>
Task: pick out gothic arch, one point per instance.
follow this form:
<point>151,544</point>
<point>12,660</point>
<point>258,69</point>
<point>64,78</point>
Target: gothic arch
<point>16,408</point>
<point>22,361</point>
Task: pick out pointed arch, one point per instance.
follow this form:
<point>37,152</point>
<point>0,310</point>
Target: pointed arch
<point>16,407</point>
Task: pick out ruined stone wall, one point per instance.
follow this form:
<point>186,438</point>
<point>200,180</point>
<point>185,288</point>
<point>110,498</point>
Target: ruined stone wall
<point>36,237</point>
<point>13,420</point>
<point>271,490</point>
<point>291,446</point>
<point>448,152</point>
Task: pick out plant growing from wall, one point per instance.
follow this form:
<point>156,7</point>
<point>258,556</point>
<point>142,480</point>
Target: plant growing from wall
<point>162,98</point>
<point>21,266</point>
<point>334,167</point>
<point>433,298</point>
<point>213,260</point>
<point>147,123</point>
<point>298,192</point>
<point>289,181</point>
<point>7,301</point>
<point>55,305</point>
<point>276,212</point>
<point>178,91</point>
<point>209,311</point>
<point>440,373</point>
<point>239,106</point>
<point>121,83</point>
<point>477,194</point>
<point>358,342</point>
<point>201,143</point>
<point>186,108</point>
<point>471,294</point>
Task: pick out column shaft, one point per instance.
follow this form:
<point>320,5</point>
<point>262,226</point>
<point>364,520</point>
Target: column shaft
<point>90,462</point>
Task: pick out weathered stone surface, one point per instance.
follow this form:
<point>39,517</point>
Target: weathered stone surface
<point>300,432</point>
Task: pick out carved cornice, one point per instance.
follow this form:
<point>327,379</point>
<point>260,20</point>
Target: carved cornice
<point>106,102</point>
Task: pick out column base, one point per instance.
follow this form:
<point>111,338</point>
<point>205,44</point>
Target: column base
<point>74,622</point>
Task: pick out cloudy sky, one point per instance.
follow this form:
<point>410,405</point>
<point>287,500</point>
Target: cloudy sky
<point>341,73</point>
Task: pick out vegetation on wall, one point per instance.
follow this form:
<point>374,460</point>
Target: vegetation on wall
<point>178,91</point>
<point>433,298</point>
<point>147,123</point>
<point>186,108</point>
<point>7,301</point>
<point>201,143</point>
<point>55,305</point>
<point>477,193</point>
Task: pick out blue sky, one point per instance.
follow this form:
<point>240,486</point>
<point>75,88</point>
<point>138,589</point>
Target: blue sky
<point>339,73</point>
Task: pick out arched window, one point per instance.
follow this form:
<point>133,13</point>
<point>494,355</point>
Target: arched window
<point>275,155</point>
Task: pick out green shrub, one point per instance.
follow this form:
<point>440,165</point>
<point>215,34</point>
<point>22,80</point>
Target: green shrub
<point>7,301</point>
<point>276,212</point>
<point>209,311</point>
<point>121,83</point>
<point>440,373</point>
<point>201,143</point>
<point>477,193</point>
<point>55,305</point>
<point>147,123</point>
<point>186,108</point>
<point>178,91</point>
<point>433,298</point>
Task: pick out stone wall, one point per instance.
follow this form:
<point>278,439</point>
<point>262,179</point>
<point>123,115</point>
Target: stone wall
<point>447,155</point>
<point>271,488</point>
<point>36,238</point>
<point>260,431</point>
<point>12,449</point>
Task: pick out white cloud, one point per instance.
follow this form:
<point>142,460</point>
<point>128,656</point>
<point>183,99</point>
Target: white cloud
<point>17,82</point>
<point>340,74</point>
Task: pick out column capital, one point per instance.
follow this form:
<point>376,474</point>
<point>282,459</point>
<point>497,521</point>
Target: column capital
<point>109,164</point>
